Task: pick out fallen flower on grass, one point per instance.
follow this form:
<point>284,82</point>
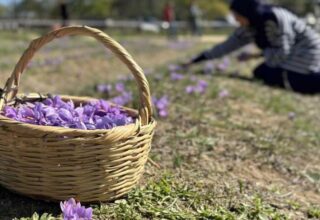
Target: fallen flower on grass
<point>120,87</point>
<point>176,76</point>
<point>292,115</point>
<point>104,88</point>
<point>223,65</point>
<point>72,210</point>
<point>199,88</point>
<point>209,68</point>
<point>161,106</point>
<point>223,93</point>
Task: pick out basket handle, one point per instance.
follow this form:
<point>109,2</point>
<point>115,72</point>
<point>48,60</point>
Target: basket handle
<point>12,85</point>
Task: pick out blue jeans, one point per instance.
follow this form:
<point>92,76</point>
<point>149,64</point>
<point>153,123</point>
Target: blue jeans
<point>278,77</point>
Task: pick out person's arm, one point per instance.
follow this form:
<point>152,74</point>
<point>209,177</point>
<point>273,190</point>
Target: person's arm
<point>245,56</point>
<point>238,39</point>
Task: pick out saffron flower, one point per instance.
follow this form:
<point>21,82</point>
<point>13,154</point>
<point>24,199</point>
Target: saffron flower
<point>209,68</point>
<point>72,210</point>
<point>104,88</point>
<point>223,93</point>
<point>161,106</point>
<point>176,76</point>
<point>199,88</point>
<point>292,115</point>
<point>224,65</point>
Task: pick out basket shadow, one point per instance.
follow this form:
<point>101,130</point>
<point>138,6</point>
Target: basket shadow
<point>13,205</point>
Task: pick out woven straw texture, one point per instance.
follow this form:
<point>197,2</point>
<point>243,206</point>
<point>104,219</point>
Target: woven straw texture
<point>55,163</point>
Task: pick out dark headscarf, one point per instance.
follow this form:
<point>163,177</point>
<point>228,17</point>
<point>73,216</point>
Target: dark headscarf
<point>257,12</point>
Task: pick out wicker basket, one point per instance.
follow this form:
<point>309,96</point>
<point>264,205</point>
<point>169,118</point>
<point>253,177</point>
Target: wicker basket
<point>55,163</point>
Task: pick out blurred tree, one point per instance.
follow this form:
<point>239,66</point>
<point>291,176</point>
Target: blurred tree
<point>145,9</point>
<point>30,9</point>
<point>137,9</point>
<point>87,9</point>
<point>300,7</point>
<point>3,10</point>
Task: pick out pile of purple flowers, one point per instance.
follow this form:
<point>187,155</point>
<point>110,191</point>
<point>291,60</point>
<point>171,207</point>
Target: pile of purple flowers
<point>161,105</point>
<point>56,112</point>
<point>73,210</point>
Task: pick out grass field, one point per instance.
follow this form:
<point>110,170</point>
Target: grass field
<point>240,150</point>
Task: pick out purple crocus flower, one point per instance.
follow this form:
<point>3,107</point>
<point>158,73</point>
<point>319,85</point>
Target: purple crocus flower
<point>199,88</point>
<point>224,65</point>
<point>202,86</point>
<point>72,210</point>
<point>10,112</point>
<point>209,68</point>
<point>123,99</point>
<point>65,115</point>
<point>189,89</point>
<point>161,105</point>
<point>120,87</point>
<point>223,93</point>
<point>163,113</point>
<point>292,115</point>
<point>176,76</point>
<point>104,88</point>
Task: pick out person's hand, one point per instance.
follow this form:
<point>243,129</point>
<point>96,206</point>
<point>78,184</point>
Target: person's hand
<point>244,56</point>
<point>185,65</point>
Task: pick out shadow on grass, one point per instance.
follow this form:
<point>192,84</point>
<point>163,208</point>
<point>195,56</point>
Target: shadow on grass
<point>13,205</point>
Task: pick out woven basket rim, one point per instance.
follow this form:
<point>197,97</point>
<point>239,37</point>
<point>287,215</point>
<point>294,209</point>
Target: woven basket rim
<point>45,128</point>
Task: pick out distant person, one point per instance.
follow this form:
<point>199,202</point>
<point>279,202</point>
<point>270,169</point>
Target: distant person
<point>64,13</point>
<point>195,18</point>
<point>290,48</point>
<point>169,17</point>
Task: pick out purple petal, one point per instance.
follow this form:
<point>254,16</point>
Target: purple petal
<point>65,115</point>
<point>10,112</point>
<point>105,105</point>
<point>103,88</point>
<point>163,113</point>
<point>120,87</point>
<point>176,76</point>
<point>189,89</point>
<point>79,112</point>
<point>223,93</point>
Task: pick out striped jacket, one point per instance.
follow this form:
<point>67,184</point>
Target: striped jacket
<point>294,46</point>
